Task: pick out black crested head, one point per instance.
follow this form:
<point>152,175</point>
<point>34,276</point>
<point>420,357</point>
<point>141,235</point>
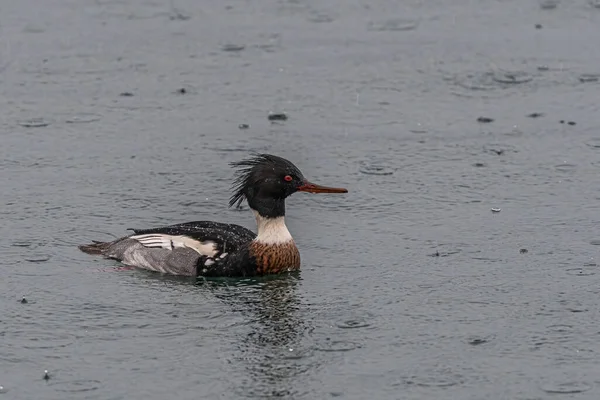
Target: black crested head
<point>265,180</point>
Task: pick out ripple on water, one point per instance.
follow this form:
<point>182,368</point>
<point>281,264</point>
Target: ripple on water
<point>36,273</point>
<point>22,244</point>
<point>374,168</point>
<point>239,149</point>
<point>45,341</point>
<point>551,336</point>
<point>329,345</point>
<point>488,82</point>
<point>353,324</point>
<point>438,377</point>
<point>594,143</point>
<point>479,340</point>
<point>589,78</point>
<point>444,253</point>
<point>568,387</point>
<point>499,148</point>
<point>565,167</point>
<point>134,202</point>
<point>548,4</point>
<point>75,386</point>
<point>82,118</point>
<point>511,77</point>
<point>37,258</point>
<point>34,122</point>
<point>393,24</point>
<point>231,47</point>
<point>560,328</point>
<point>319,17</point>
<point>585,270</point>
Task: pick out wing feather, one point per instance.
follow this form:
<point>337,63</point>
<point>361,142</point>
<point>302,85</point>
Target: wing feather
<point>213,240</point>
<point>159,240</point>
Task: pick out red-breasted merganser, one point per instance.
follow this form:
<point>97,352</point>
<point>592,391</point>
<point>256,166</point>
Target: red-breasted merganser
<point>212,249</point>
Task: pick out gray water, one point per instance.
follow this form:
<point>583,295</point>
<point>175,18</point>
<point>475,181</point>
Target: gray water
<point>411,287</point>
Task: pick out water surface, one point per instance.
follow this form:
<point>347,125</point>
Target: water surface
<point>411,287</point>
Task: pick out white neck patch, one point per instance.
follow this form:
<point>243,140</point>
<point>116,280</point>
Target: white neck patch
<point>272,230</point>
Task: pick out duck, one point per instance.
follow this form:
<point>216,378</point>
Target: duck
<point>216,249</point>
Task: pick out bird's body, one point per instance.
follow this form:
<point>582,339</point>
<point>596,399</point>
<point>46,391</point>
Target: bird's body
<point>211,249</point>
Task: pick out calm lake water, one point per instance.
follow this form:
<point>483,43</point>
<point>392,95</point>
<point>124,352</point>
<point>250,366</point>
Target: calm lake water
<point>126,113</point>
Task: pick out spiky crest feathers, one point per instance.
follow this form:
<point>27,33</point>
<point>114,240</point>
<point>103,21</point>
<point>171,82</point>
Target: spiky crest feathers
<point>259,168</point>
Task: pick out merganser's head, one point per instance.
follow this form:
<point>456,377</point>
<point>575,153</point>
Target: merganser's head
<point>266,180</point>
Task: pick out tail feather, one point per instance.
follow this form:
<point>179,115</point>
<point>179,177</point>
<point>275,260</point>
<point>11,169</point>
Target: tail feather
<point>95,248</point>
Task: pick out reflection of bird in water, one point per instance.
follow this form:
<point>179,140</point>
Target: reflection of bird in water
<point>267,354</point>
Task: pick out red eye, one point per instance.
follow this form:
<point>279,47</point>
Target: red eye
<point>288,178</point>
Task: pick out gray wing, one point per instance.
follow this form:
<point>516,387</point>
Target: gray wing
<point>178,249</point>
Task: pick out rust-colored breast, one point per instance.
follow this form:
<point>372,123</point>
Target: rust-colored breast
<point>275,258</point>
